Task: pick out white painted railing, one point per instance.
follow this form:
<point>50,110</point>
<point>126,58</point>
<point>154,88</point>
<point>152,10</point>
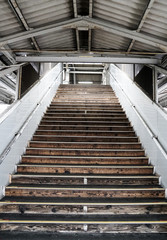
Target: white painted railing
<point>147,118</point>
<point>19,123</point>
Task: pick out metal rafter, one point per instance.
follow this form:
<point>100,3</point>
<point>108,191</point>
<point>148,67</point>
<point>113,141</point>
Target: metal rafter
<point>75,8</point>
<point>7,52</point>
<point>76,31</point>
<point>10,69</point>
<point>21,18</point>
<point>121,31</point>
<point>90,8</point>
<point>72,23</point>
<point>87,59</point>
<point>89,40</point>
<point>87,23</point>
<point>142,21</point>
<point>77,38</point>
<point>90,31</point>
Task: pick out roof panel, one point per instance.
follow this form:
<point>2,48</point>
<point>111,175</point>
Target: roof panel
<point>41,12</point>
<point>58,40</point>
<point>140,47</point>
<point>8,21</point>
<point>129,12</point>
<point>155,23</point>
<point>104,40</point>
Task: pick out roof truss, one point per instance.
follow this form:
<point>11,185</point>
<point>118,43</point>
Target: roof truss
<point>87,23</point>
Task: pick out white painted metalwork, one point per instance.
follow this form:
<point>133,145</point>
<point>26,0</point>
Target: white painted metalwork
<point>147,118</point>
<point>87,59</point>
<point>89,23</point>
<point>19,123</point>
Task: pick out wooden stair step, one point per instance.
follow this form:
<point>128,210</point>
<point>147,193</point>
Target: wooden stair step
<point>85,219</point>
<point>91,101</point>
<point>71,138</point>
<point>82,97</point>
<point>85,192</point>
<point>84,169</point>
<point>44,235</point>
<point>41,207</point>
<point>80,145</point>
<point>82,111</point>
<point>85,114</point>
<point>85,160</point>
<point>83,104</point>
<point>85,133</point>
<point>85,152</point>
<point>85,123</point>
<point>86,118</point>
<point>88,180</point>
<point>55,227</point>
<point>59,107</point>
<point>82,127</point>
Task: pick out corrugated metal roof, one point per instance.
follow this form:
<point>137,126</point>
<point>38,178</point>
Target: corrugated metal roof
<point>58,40</point>
<point>8,21</point>
<point>156,20</point>
<point>40,12</point>
<point>127,14</point>
<point>107,41</point>
<point>124,13</point>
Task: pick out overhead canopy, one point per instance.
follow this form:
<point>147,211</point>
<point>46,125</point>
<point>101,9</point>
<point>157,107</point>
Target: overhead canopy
<point>80,31</point>
<point>70,28</point>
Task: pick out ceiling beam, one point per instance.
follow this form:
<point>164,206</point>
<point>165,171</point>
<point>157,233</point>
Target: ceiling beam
<point>87,59</point>
<point>90,8</point>
<point>121,31</point>
<point>85,72</point>
<point>89,23</point>
<point>90,30</point>
<point>75,8</point>
<point>5,96</point>
<point>7,52</point>
<point>72,23</point>
<point>142,21</point>
<point>76,31</point>
<point>16,9</point>
<point>159,69</point>
<point>89,40</point>
<point>77,38</point>
<point>7,82</point>
<point>10,69</point>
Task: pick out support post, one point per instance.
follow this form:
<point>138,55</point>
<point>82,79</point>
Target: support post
<point>155,86</point>
<point>18,84</point>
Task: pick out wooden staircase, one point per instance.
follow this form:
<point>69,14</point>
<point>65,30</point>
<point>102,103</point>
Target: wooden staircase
<point>84,175</point>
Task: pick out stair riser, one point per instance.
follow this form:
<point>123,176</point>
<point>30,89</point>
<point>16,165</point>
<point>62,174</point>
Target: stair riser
<point>82,111</point>
<point>108,209</point>
<point>85,194</point>
<point>84,170</point>
<point>85,101</point>
<point>88,119</point>
<point>84,146</point>
<point>60,108</point>
<point>102,103</point>
<point>81,181</point>
<point>82,161</point>
<point>85,123</point>
<point>62,138</point>
<point>87,152</point>
<point>93,128</point>
<point>83,115</point>
<point>85,133</point>
<point>98,153</point>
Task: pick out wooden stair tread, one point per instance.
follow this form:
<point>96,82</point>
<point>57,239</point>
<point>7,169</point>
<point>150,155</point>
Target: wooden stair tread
<point>84,170</point>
